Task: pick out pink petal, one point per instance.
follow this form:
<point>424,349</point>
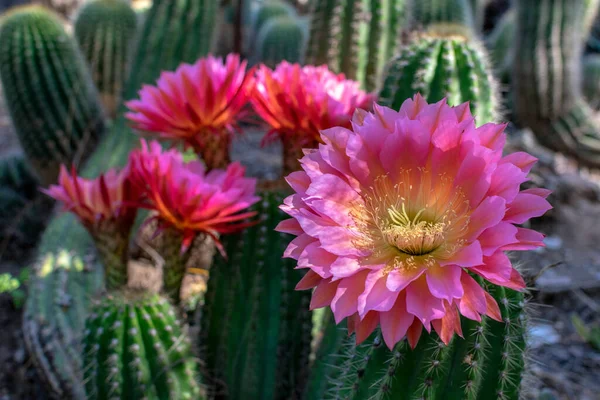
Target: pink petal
<point>400,278</point>
<point>323,294</point>
<point>496,237</point>
<point>496,267</point>
<point>297,246</point>
<point>448,325</point>
<point>345,301</point>
<point>468,256</point>
<point>376,296</point>
<point>414,333</point>
<point>395,323</point>
<point>473,303</point>
<point>444,282</point>
<point>489,213</point>
<point>492,309</point>
<point>521,159</point>
<point>526,206</point>
<point>526,239</point>
<point>309,281</point>
<point>422,304</point>
<point>290,226</point>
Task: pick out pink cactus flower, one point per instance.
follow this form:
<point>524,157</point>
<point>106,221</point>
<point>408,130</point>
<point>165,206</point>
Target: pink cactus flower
<point>393,216</point>
<point>106,199</point>
<point>187,198</point>
<point>198,104</point>
<point>298,102</point>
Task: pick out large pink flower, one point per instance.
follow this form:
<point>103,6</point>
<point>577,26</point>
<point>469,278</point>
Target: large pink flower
<point>395,215</point>
<point>297,102</point>
<point>187,198</point>
<point>105,199</point>
<point>198,104</point>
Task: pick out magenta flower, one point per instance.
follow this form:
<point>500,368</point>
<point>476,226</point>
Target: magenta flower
<point>189,200</point>
<point>393,216</point>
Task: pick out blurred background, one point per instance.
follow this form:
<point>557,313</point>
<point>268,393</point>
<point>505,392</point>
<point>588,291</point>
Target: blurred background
<point>545,59</point>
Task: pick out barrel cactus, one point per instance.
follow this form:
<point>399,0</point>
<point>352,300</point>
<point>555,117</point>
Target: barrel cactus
<point>437,67</point>
<point>134,347</point>
<point>282,38</point>
<point>355,37</point>
<point>105,30</point>
<point>547,90</point>
<point>49,92</point>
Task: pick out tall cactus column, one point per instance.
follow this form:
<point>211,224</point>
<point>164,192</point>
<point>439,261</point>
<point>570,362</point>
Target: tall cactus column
<point>547,78</point>
<point>50,95</point>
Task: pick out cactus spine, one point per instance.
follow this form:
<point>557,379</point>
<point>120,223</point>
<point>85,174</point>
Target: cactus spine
<point>486,364</point>
<point>282,38</point>
<point>134,347</point>
<point>174,32</point>
<point>547,78</point>
<point>50,95</point>
<point>105,30</point>
<point>423,13</point>
<point>439,67</point>
<point>255,329</point>
<point>355,37</point>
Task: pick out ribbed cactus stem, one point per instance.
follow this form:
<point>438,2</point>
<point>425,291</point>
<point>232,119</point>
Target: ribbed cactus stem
<point>486,365</point>
<point>112,246</point>
<point>438,67</point>
<point>423,13</point>
<point>175,258</point>
<point>255,329</point>
<point>282,38</point>
<point>547,95</point>
<point>355,37</point>
<point>49,92</point>
<point>135,348</point>
<point>105,30</point>
<point>213,148</point>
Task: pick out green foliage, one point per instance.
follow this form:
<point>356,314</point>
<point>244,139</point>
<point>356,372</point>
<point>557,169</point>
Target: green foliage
<point>356,37</point>
<point>105,30</point>
<point>12,286</point>
<point>256,330</point>
<point>423,13</point>
<point>547,94</point>
<point>440,67</point>
<point>591,333</point>
<point>49,92</point>
<point>281,38</point>
<point>173,32</point>
<point>135,348</point>
<point>487,364</point>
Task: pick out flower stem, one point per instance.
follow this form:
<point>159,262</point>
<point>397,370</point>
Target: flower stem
<point>174,268</point>
<point>214,149</point>
<point>292,151</point>
<point>112,246</point>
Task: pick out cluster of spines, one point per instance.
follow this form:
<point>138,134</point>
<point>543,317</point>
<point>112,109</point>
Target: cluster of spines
<point>134,348</point>
<point>355,37</point>
<point>281,38</point>
<point>105,30</point>
<point>253,317</point>
<point>50,95</point>
<point>486,364</point>
<point>441,67</point>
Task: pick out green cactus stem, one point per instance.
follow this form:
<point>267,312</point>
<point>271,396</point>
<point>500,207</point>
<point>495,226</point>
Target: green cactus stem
<point>591,80</point>
<point>105,30</point>
<point>355,37</point>
<point>135,348</point>
<point>282,38</point>
<point>49,92</point>
<point>500,44</point>
<point>440,67</point>
<point>255,331</point>
<point>423,13</point>
<point>547,94</point>
<point>486,365</point>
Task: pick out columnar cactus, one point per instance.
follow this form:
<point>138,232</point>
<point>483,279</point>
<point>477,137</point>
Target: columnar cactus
<point>174,32</point>
<point>422,13</point>
<point>439,67</point>
<point>355,37</point>
<point>487,364</point>
<point>105,30</point>
<point>50,95</point>
<point>478,10</point>
<point>255,329</point>
<point>282,38</point>
<point>134,347</point>
<point>500,44</point>
<point>270,10</point>
<point>547,78</point>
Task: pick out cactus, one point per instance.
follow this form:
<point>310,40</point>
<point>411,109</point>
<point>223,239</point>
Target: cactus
<point>23,210</point>
<point>423,13</point>
<point>49,92</point>
<point>255,329</point>
<point>174,32</point>
<point>547,78</point>
<point>270,10</point>
<point>487,364</point>
<point>355,37</point>
<point>591,80</point>
<point>439,67</point>
<point>134,347</point>
<point>105,30</point>
<point>282,38</point>
<point>478,11</point>
<point>500,45</point>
